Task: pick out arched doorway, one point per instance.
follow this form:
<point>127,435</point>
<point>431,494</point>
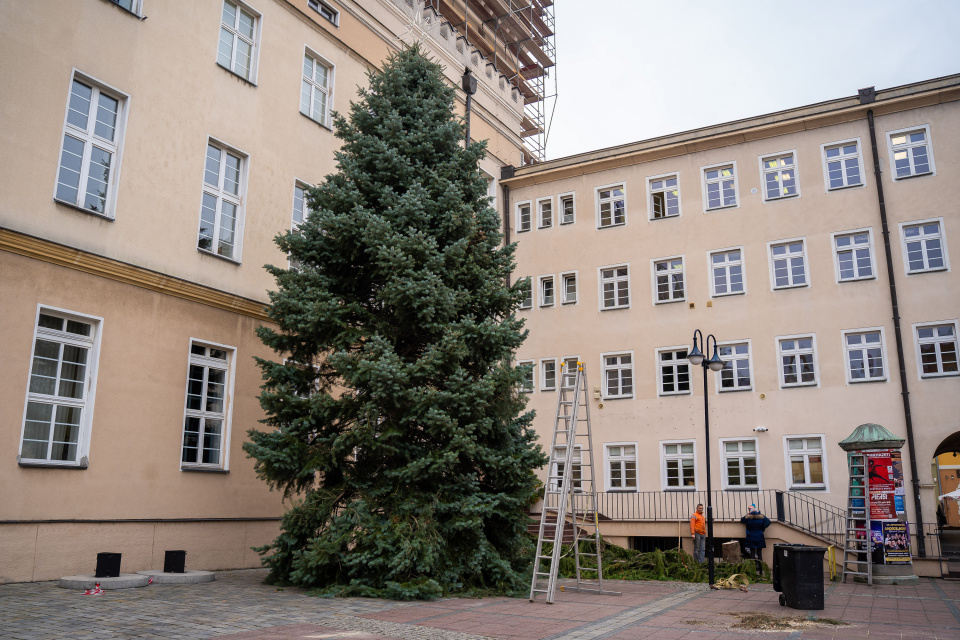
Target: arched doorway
<point>946,473</point>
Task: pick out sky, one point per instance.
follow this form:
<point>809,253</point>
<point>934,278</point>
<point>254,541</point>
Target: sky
<point>630,70</point>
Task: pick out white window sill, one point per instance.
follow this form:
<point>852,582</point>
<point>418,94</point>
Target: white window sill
<point>791,286</point>
<point>676,215</point>
<point>611,226</point>
<point>806,487</point>
<point>548,389</point>
<point>778,198</point>
<point>52,464</point>
<point>743,489</point>
<point>845,187</point>
<point>89,212</point>
<point>669,301</point>
<point>523,230</point>
<point>317,122</point>
<point>867,380</point>
<point>727,295</point>
<point>203,469</point>
<point>623,306</point>
<point>605,398</point>
<point>933,376</point>
<point>921,271</point>
<point>612,490</point>
<point>669,394</point>
<point>526,308</point>
<point>545,226</point>
<point>913,175</point>
<point>218,256</point>
<point>859,279</point>
<point>725,206</point>
<point>238,76</point>
<point>127,11</point>
<point>569,302</point>
<point>546,306</point>
<point>798,385</point>
<point>681,489</point>
<point>735,389</point>
<point>568,222</point>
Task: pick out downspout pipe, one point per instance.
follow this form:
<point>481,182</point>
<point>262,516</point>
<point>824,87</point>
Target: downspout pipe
<point>905,392</point>
<point>507,171</point>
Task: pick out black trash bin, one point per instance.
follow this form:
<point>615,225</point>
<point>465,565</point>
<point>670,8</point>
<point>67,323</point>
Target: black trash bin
<point>801,575</point>
<point>108,565</point>
<point>174,561</point>
<point>775,569</point>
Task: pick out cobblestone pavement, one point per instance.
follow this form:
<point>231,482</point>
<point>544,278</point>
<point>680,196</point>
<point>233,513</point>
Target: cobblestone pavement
<point>238,607</point>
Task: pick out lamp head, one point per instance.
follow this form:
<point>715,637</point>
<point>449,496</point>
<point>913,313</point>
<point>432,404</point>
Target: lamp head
<point>715,363</point>
<point>695,356</point>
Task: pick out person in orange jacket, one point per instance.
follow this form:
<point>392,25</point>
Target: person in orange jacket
<point>698,531</point>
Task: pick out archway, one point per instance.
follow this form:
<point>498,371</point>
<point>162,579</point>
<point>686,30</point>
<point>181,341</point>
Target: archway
<point>946,474</point>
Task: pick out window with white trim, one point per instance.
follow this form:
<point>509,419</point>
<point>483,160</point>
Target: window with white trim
<point>720,186</point>
<point>615,287</point>
<point>568,214</point>
<point>238,39</point>
<point>806,460</point>
<point>545,213</point>
<point>326,11</point>
<point>612,205</point>
<point>740,464</point>
<point>788,264</point>
<point>558,472</point>
<point>617,375</point>
<point>664,197</point>
<point>527,287</point>
<point>524,218</point>
<point>569,282</point>
<point>673,371</point>
<point>548,293</point>
<point>679,465</point>
<point>735,376</point>
<point>207,406</point>
<point>937,348</point>
<point>222,207</point>
<point>668,280</point>
<point>726,273</point>
<point>864,351</point>
<point>315,89</point>
<point>133,6</point>
<point>924,246</point>
<point>548,374</point>
<point>911,152</point>
<point>798,361</point>
<point>59,402</point>
<point>300,207</point>
<point>89,151</point>
<point>569,366</point>
<point>526,385</point>
<point>621,466</point>
<point>841,163</point>
<point>779,176</point>
<point>854,256</point>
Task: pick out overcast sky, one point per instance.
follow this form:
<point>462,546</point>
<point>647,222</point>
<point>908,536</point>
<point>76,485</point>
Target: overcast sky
<point>630,70</point>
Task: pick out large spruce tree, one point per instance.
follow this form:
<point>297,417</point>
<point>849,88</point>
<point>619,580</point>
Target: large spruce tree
<point>398,431</point>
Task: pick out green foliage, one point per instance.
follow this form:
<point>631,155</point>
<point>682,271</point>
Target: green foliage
<point>395,422</point>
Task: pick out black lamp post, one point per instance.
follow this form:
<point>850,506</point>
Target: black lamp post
<point>696,357</point>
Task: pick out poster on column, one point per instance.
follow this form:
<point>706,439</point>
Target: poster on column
<point>880,483</point>
<point>898,491</point>
<point>896,543</point>
<point>876,542</point>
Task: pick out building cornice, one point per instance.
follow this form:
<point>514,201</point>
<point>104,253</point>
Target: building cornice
<point>79,260</point>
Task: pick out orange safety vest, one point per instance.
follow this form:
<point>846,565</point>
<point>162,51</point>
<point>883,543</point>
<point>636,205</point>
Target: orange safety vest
<point>698,524</point>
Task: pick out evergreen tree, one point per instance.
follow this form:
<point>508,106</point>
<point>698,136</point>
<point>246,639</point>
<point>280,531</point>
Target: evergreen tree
<point>399,431</point>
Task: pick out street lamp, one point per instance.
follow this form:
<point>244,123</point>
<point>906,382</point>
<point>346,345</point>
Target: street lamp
<point>696,357</point>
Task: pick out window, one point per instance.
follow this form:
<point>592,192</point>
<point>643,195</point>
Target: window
<point>133,6</point>
<point>841,165</point>
<point>326,11</point>
<point>524,221</point>
<point>315,89</point>
<point>621,466</point>
<point>720,186</point>
<point>89,155</point>
<point>937,349</point>
<point>526,285</point>
<point>222,200</point>
<point>545,213</point>
<point>805,461</point>
<point>612,203</point>
<point>207,406</point>
<point>60,394</point>
<point>557,472</point>
<point>238,39</point>
<point>864,351</point>
<point>568,214</point>
<point>614,287</point>
<point>673,371</point>
<point>547,292</point>
<point>726,272</point>
<point>679,466</point>
<point>740,464</point>
<point>798,361</point>
<point>300,208</point>
<point>569,281</point>
<point>668,280</point>
<point>569,366</point>
<point>788,264</point>
<point>548,374</point>
<point>617,375</point>
<point>911,152</point>
<point>735,376</point>
<point>924,246</point>
<point>526,385</point>
<point>779,176</point>
<point>664,197</point>
<point>854,255</point>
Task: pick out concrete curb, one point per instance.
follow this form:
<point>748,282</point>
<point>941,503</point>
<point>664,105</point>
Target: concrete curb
<point>88,581</point>
<point>187,577</point>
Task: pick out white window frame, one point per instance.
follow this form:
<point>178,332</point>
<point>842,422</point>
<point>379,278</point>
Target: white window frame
<point>529,287</point>
<point>917,342</point>
<point>254,42</point>
<point>559,452</point>
<point>301,198</point>
<point>316,6</point>
<point>773,271</point>
<point>136,7</point>
<point>852,249</point>
<point>615,280</point>
<point>218,192</point>
<point>737,387</point>
<point>530,213</point>
<point>572,198</point>
<point>327,91</point>
<point>674,364</point>
<point>669,274</point>
<point>724,456</point>
<point>227,416</point>
<point>619,367</point>
<point>86,403</point>
<point>788,469</point>
<point>846,349</point>
<point>610,187</point>
<point>608,467</point>
<point>541,298</point>
<point>764,171</point>
<point>540,219</point>
<point>704,182</point>
<point>678,456</point>
<point>825,162</point>
<point>891,150</point>
<point>575,276</point>
<point>543,374</point>
<point>726,267</point>
<point>816,369</point>
<point>943,246</point>
<point>565,360</point>
<point>650,193</point>
<point>89,138</point>
<point>532,377</point>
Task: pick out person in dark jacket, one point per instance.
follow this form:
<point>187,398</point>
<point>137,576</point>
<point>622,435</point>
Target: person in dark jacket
<point>755,523</point>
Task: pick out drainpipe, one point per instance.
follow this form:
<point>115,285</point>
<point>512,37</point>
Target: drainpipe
<point>469,84</point>
<point>867,96</point>
<point>506,172</point>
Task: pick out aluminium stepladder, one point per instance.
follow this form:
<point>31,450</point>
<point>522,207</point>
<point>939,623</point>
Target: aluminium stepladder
<point>857,543</point>
<point>570,490</point>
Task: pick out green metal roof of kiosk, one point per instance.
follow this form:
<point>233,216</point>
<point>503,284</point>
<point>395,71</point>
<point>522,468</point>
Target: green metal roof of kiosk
<point>871,436</point>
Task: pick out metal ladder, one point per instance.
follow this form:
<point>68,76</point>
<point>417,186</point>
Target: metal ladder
<point>570,489</point>
<point>858,538</point>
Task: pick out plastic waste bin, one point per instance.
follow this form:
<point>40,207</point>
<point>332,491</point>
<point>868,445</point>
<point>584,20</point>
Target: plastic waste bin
<point>108,565</point>
<point>798,575</point>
